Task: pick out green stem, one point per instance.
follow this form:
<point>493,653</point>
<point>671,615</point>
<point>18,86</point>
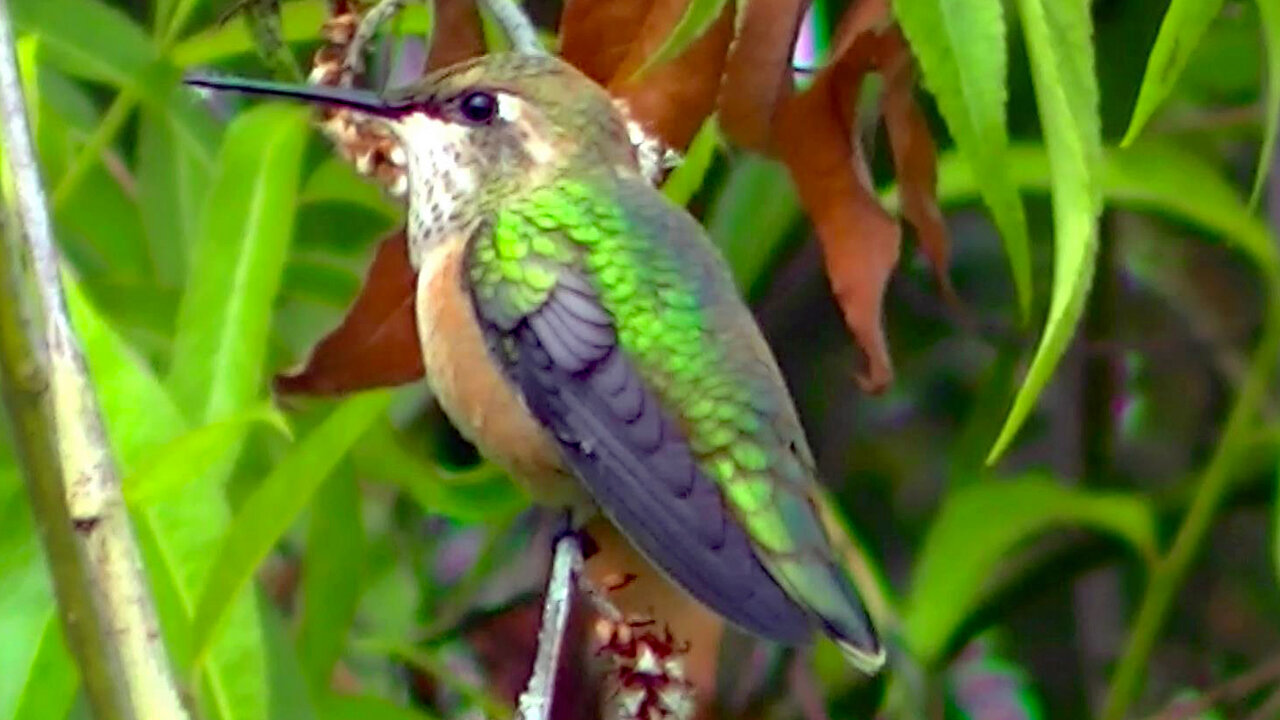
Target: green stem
<point>103,135</point>
<point>1169,573</point>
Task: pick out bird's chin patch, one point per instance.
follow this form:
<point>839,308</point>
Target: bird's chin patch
<point>441,181</point>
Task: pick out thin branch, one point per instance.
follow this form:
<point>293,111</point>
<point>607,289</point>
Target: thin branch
<point>108,614</point>
<point>1233,689</point>
<point>520,29</point>
<point>1171,570</point>
<point>566,569</point>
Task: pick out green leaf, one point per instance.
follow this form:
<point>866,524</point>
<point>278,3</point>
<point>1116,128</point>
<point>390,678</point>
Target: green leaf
<point>290,696</point>
<point>174,171</point>
<point>275,504</point>
<point>1184,24</point>
<point>301,21</point>
<point>698,16</point>
<point>685,180</point>
<point>170,467</point>
<point>89,39</point>
<point>1269,15</point>
<point>225,315</point>
<point>961,47</point>
<point>39,679</point>
<point>332,575</point>
<point>980,524</point>
<point>179,535</point>
<point>751,218</point>
<point>1058,36</point>
<point>1151,176</point>
<point>481,494</point>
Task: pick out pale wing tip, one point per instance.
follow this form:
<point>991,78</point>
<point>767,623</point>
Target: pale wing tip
<point>866,659</point>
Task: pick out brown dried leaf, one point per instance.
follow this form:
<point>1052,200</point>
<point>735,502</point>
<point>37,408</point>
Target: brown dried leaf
<point>860,241</point>
<point>672,99</point>
<point>596,35</point>
<point>757,74</point>
<point>915,159</point>
<point>376,345</point>
<point>457,35</point>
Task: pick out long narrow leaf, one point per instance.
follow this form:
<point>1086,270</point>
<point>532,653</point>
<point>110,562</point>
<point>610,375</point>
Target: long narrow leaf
<point>980,524</point>
<point>225,315</point>
<point>179,534</point>
<point>1184,24</point>
<point>273,507</point>
<point>1059,39</point>
<point>332,575</point>
<point>1269,14</point>
<point>962,53</point>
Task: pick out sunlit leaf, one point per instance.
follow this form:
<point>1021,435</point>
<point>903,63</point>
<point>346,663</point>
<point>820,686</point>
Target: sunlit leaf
<point>181,534</point>
<point>170,467</point>
<point>39,680</point>
<point>980,524</point>
<point>89,38</point>
<point>1059,39</point>
<point>274,505</point>
<point>1269,14</point>
<point>225,314</point>
<point>962,53</point>
<point>332,574</point>
<point>1184,24</point>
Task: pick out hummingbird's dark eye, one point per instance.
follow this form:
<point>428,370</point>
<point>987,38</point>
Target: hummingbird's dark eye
<point>478,106</point>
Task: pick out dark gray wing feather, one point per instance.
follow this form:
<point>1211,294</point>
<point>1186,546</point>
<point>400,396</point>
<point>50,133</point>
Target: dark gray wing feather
<point>636,463</point>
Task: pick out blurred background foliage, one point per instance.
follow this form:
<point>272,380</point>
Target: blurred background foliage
<point>353,558</point>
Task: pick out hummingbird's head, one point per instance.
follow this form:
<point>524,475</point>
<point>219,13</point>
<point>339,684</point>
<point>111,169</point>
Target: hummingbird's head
<point>479,130</point>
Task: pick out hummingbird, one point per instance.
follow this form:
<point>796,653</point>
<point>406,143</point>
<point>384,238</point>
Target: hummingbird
<point>586,335</point>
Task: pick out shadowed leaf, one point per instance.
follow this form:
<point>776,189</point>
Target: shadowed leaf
<point>980,524</point>
<point>1269,14</point>
<point>596,35</point>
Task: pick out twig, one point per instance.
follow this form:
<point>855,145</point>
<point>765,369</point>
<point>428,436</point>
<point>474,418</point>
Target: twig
<point>566,568</point>
<point>520,29</point>
<point>1269,709</point>
<point>1235,688</point>
<point>1170,571</point>
<point>108,614</point>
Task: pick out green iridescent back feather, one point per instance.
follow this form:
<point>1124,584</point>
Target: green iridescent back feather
<point>678,317</point>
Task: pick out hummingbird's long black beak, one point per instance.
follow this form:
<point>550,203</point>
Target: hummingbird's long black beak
<point>363,100</point>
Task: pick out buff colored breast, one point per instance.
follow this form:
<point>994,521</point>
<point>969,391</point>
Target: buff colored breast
<point>471,389</point>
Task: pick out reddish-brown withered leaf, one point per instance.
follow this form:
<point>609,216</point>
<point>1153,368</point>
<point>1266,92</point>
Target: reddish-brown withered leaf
<point>672,99</point>
<point>457,35</point>
<point>860,241</point>
<point>915,160</point>
<point>376,345</point>
<point>596,35</point>
<point>757,74</point>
